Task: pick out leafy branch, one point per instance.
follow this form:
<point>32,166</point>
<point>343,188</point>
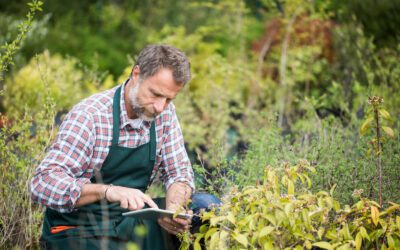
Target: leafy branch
<point>373,121</point>
<point>6,57</point>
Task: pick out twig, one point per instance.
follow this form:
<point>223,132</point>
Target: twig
<point>283,62</point>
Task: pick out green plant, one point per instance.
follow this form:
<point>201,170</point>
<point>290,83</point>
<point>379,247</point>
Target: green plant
<point>6,57</point>
<point>65,81</point>
<point>375,119</point>
<point>23,142</point>
<point>281,213</point>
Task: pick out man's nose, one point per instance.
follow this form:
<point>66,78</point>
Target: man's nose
<point>159,105</point>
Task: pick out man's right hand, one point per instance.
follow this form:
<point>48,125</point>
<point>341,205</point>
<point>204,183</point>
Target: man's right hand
<point>128,198</point>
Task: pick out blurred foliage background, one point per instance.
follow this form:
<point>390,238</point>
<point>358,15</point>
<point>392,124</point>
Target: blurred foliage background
<point>273,81</point>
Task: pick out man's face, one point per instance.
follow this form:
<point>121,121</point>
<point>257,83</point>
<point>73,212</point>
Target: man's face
<point>149,97</point>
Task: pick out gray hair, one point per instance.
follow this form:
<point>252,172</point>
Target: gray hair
<point>154,57</point>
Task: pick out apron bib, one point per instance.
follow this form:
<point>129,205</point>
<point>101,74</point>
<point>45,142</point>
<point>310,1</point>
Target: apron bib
<point>100,225</point>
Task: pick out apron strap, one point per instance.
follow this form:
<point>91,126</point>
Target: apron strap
<point>153,141</point>
<point>116,114</point>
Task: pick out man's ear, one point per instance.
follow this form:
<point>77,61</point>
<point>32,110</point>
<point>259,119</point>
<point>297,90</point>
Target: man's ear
<point>135,72</point>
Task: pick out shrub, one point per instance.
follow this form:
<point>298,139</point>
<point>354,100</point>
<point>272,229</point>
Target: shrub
<point>22,147</point>
<point>52,75</point>
<point>281,213</point>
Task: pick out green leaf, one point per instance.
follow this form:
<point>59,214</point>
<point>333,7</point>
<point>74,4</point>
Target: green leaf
<point>288,208</point>
<point>323,244</point>
<point>223,236</point>
<point>215,220</point>
<point>364,127</point>
<point>388,131</point>
<point>364,233</point>
<point>358,241</point>
<point>332,189</point>
<point>265,231</point>
<point>391,242</point>
<point>268,245</point>
<point>346,232</point>
<point>210,233</point>
<point>196,246</point>
<point>306,219</point>
<point>270,218</point>
<point>231,218</point>
<point>242,239</point>
<point>307,244</point>
<point>290,187</point>
<point>214,241</point>
<point>320,232</point>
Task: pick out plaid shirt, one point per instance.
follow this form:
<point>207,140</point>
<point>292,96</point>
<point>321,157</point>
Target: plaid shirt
<point>82,145</point>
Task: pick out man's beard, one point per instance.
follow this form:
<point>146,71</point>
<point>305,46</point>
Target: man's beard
<point>138,109</point>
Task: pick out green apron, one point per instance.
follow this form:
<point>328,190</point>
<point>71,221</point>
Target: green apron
<point>100,225</point>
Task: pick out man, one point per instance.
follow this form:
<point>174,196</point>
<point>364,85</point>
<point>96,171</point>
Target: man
<point>109,148</point>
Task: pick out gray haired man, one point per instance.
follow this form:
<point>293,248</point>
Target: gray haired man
<point>108,150</point>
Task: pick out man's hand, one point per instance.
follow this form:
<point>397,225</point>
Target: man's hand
<point>175,225</point>
<point>128,198</point>
<point>177,196</point>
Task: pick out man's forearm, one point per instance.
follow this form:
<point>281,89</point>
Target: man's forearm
<point>91,193</point>
<point>177,195</point>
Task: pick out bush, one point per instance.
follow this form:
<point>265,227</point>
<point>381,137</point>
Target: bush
<point>22,147</point>
<point>281,213</point>
<point>50,75</point>
<point>33,97</point>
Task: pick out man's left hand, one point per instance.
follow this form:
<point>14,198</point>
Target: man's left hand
<point>175,225</point>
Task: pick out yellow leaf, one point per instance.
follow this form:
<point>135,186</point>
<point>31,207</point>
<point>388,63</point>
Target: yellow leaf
<point>364,127</point>
<point>288,208</point>
<point>320,232</point>
<point>388,131</point>
<point>309,184</point>
<point>363,233</point>
<point>306,219</point>
<point>358,241</point>
<point>210,232</point>
<point>223,236</point>
<point>290,187</point>
<point>231,218</point>
<point>203,228</point>
<point>242,239</point>
<point>268,245</point>
<point>374,215</point>
<point>390,241</point>
<point>384,114</point>
<point>265,231</point>
<point>398,222</point>
<point>332,189</point>
<point>270,218</point>
<point>346,232</point>
<point>214,241</point>
<point>196,246</point>
<point>323,244</point>
<point>215,220</point>
<point>308,244</point>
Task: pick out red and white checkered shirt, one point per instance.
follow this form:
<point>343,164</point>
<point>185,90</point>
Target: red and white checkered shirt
<point>83,142</point>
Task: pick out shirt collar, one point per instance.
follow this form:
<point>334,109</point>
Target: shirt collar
<point>125,121</point>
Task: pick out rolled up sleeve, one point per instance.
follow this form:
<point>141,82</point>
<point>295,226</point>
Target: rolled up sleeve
<point>58,180</point>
